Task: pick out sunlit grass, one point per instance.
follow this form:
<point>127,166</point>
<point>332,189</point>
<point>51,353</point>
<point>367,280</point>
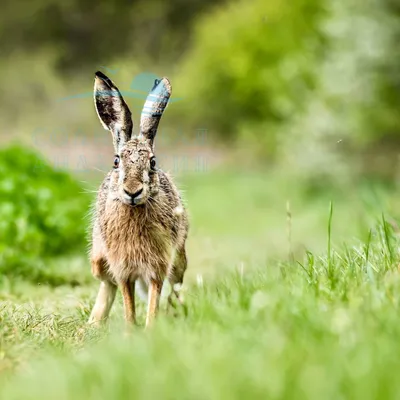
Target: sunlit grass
<point>324,328</point>
<point>260,324</point>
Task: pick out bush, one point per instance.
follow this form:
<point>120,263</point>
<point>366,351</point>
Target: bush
<point>254,61</point>
<point>41,213</point>
<point>312,84</point>
<point>350,125</point>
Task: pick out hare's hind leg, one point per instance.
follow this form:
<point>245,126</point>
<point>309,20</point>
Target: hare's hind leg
<point>175,277</point>
<point>106,295</point>
<point>128,295</point>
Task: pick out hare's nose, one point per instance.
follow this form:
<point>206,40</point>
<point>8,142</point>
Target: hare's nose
<point>133,196</point>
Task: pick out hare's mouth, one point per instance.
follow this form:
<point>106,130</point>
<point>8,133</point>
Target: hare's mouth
<point>134,198</point>
<point>133,203</point>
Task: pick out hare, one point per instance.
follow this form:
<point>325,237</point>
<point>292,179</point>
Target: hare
<point>140,224</point>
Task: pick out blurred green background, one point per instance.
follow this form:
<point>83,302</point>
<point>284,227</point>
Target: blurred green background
<point>276,108</point>
<point>279,109</point>
<point>313,86</point>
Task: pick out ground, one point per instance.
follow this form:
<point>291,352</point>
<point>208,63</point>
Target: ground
<point>290,294</point>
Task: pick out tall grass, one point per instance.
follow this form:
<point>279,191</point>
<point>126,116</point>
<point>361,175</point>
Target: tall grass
<point>326,328</point>
<point>322,323</point>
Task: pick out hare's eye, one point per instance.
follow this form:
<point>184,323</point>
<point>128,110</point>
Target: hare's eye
<point>116,161</point>
<point>153,163</point>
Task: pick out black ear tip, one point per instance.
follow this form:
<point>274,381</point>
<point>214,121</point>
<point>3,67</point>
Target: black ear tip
<point>103,77</point>
<point>99,74</point>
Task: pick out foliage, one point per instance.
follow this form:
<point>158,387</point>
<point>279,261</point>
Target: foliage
<point>254,61</point>
<point>351,119</point>
<point>313,84</point>
<point>41,213</point>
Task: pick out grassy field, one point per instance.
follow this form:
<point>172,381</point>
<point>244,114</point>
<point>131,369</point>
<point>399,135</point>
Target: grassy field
<point>291,293</point>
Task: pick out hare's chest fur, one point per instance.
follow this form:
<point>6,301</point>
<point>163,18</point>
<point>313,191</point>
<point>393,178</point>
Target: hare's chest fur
<point>137,243</point>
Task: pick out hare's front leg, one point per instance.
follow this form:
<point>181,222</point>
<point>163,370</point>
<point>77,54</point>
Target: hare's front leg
<point>128,296</point>
<point>155,288</point>
<point>106,295</point>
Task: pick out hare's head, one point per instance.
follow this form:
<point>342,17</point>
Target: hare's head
<point>134,161</point>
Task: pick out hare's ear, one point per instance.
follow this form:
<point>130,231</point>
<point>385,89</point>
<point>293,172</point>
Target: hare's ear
<point>112,110</point>
<point>153,108</point>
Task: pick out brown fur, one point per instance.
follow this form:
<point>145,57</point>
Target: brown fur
<point>145,240</point>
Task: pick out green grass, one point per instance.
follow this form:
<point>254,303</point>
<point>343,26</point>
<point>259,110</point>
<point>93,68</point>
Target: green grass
<point>324,326</point>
